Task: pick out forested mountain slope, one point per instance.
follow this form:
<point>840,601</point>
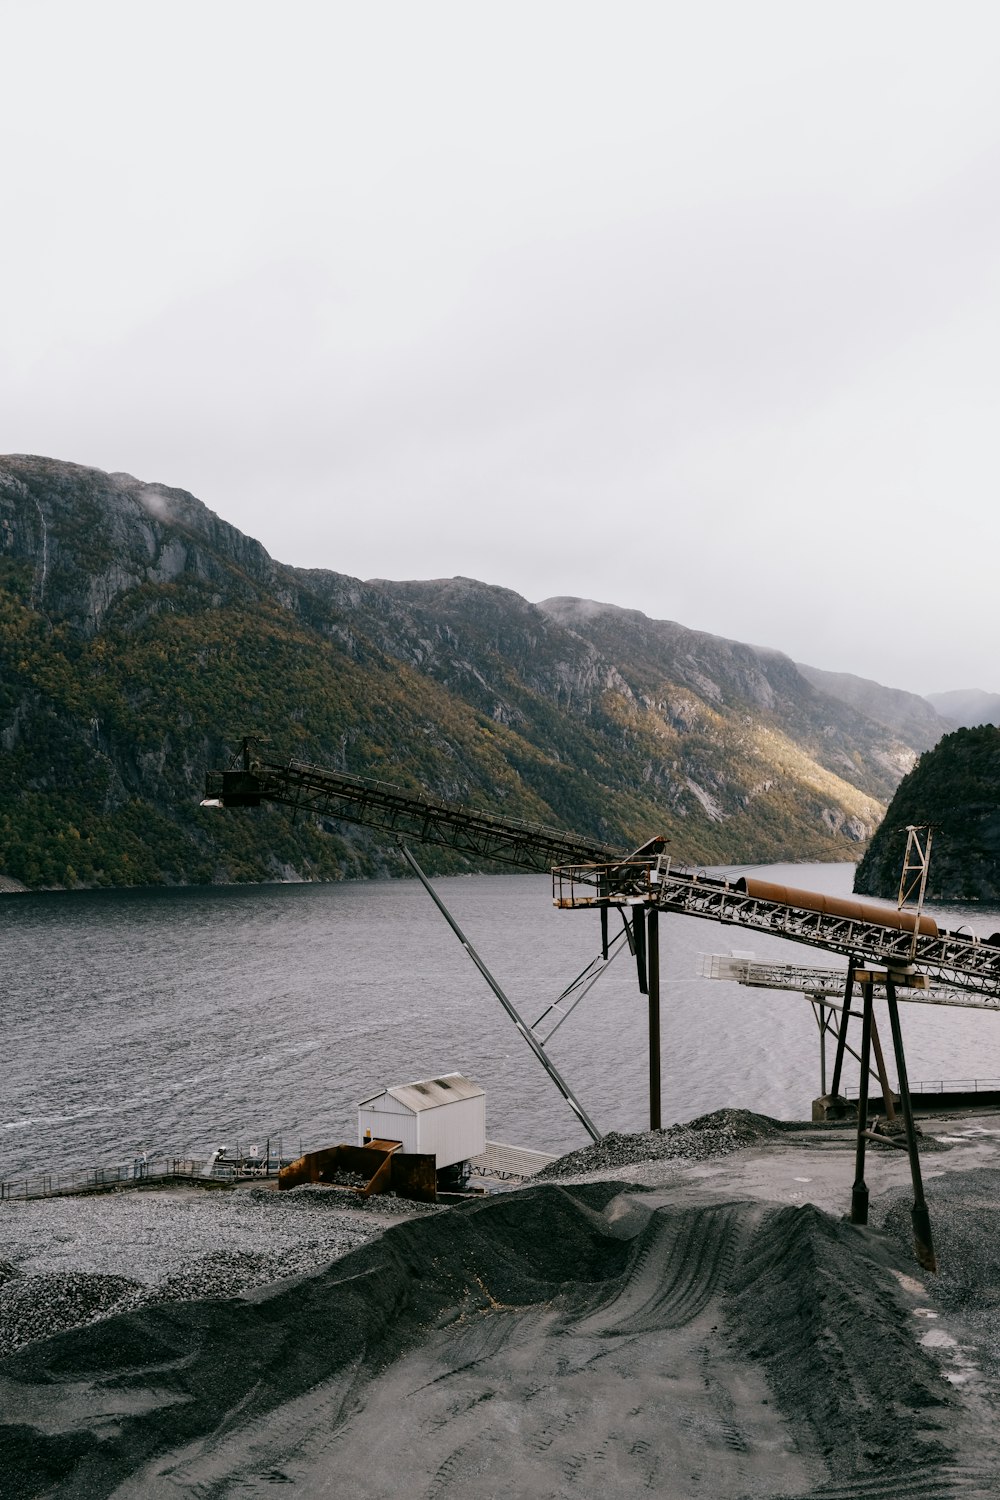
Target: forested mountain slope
<point>141,636</point>
<point>955,788</point>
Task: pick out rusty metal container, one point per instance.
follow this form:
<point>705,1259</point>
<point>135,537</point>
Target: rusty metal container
<point>380,1167</point>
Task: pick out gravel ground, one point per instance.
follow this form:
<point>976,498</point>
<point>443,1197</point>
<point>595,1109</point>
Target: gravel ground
<point>705,1139</point>
<point>69,1261</point>
<point>713,1333</point>
<point>963,1211</point>
<point>74,1260</point>
<point>66,1262</point>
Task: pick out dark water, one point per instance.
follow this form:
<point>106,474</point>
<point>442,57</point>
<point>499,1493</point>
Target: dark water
<point>172,1021</point>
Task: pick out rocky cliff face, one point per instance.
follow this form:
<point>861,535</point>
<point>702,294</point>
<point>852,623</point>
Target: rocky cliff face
<point>955,788</point>
<point>142,635</point>
<point>673,669</point>
<point>90,539</point>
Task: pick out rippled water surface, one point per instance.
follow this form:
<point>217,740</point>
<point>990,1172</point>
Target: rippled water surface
<point>172,1021</point>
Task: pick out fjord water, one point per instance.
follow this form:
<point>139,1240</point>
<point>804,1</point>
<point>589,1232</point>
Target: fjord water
<point>172,1021</point>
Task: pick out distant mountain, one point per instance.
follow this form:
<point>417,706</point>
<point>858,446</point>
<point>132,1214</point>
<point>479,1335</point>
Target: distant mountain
<point>955,788</point>
<point>916,719</point>
<point>141,636</point>
<point>966,707</point>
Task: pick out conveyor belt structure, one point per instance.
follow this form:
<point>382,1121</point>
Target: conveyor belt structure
<point>823,984</point>
<point>950,960</point>
<point>906,943</point>
<point>588,873</point>
<point>403,814</point>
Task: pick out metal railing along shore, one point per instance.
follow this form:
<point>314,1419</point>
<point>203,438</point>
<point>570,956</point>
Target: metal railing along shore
<point>943,1086</point>
<point>139,1173</point>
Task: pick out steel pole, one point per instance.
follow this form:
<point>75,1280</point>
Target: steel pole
<point>838,1062</point>
<point>922,1241</point>
<point>883,1077</point>
<point>509,1007</point>
<point>653,977</point>
<point>859,1193</point>
<point>639,939</point>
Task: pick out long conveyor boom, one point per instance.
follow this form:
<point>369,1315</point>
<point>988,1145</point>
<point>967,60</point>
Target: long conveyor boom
<point>404,814</point>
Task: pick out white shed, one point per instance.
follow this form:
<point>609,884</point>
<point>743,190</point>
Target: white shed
<point>444,1116</point>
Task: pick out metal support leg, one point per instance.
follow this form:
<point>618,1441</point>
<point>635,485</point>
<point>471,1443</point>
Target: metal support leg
<point>859,1194</point>
<point>820,1016</point>
<point>628,930</point>
<point>639,938</point>
<point>883,1076</point>
<point>922,1242</point>
<point>522,1025</point>
<point>653,975</point>
<point>842,1037</point>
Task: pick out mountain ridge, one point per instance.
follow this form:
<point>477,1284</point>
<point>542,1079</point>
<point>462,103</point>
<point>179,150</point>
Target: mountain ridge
<point>965,708</point>
<point>905,713</point>
<point>142,634</point>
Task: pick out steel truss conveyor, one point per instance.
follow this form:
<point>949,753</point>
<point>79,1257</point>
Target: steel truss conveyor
<point>949,960</point>
<point>813,983</point>
<point>885,946</point>
<point>403,814</point>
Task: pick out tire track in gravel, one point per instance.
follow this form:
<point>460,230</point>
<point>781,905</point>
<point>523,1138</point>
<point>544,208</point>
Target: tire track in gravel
<point>675,1271</point>
<point>506,1395</point>
<point>938,1483</point>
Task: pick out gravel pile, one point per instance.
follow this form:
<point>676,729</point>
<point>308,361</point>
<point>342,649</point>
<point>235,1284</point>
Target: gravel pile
<point>380,1204</point>
<point>963,1213</point>
<point>718,1134</point>
<point>32,1307</point>
<point>532,1344</point>
<point>65,1262</point>
<point>343,1178</point>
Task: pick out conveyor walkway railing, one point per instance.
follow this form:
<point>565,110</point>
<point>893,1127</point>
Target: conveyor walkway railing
<point>823,984</point>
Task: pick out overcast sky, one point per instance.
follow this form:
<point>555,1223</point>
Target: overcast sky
<point>691,307</point>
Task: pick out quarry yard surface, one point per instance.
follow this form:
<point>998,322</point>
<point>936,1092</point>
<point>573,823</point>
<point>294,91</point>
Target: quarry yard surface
<point>680,1313</point>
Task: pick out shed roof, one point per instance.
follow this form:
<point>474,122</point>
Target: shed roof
<point>430,1093</point>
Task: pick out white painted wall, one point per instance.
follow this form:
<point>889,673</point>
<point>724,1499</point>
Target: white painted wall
<point>452,1132</point>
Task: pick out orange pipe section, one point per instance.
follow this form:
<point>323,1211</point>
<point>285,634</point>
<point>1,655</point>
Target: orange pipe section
<point>839,906</point>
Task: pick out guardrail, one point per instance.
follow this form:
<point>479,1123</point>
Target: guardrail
<point>138,1173</point>
<point>944,1086</point>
